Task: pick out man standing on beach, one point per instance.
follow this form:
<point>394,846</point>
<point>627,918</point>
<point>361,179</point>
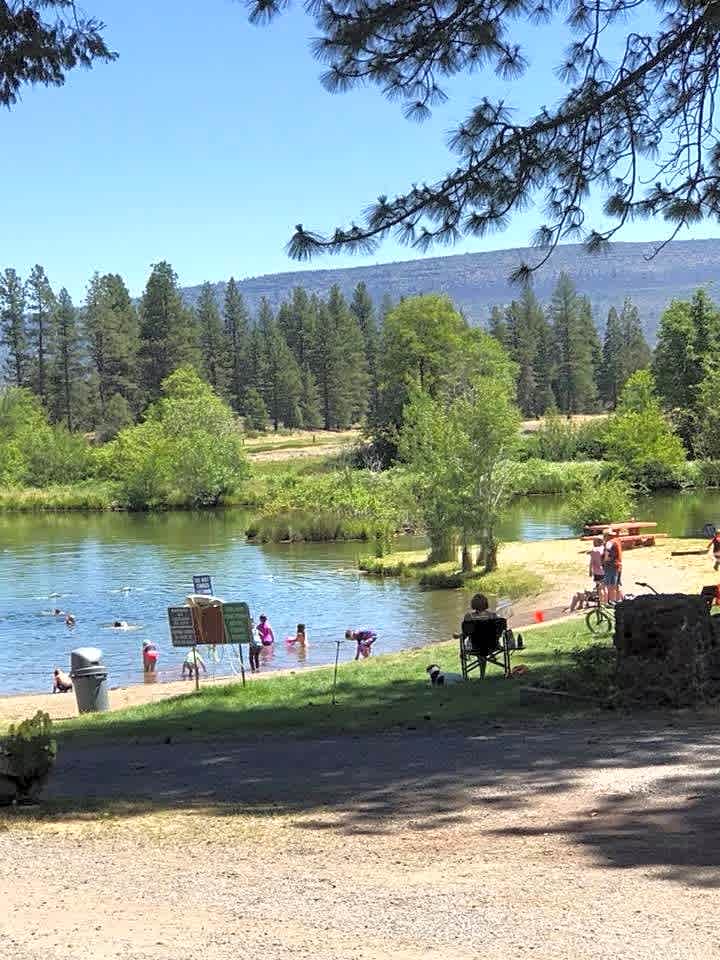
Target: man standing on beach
<point>612,564</point>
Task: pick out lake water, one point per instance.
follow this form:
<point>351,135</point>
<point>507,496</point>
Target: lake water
<point>131,567</point>
<point>84,563</point>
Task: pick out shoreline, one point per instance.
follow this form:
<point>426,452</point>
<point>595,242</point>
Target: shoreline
<point>562,562</point>
<point>15,707</point>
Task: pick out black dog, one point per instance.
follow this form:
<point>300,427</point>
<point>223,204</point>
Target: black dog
<point>437,677</point>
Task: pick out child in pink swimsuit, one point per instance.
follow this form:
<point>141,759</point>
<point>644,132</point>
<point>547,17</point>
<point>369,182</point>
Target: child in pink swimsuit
<point>364,640</point>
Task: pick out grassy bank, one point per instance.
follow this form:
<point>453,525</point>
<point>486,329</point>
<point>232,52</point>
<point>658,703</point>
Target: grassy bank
<point>279,490</point>
<point>384,693</point>
<point>91,495</point>
<point>511,581</point>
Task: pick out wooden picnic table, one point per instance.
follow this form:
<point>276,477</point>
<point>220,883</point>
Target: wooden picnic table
<point>633,540</point>
<point>633,527</point>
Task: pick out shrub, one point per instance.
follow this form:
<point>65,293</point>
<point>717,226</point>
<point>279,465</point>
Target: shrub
<point>295,527</point>
<point>592,673</point>
<point>604,502</point>
<point>640,438</point>
<point>381,567</point>
<point>442,579</point>
<point>541,476</point>
<point>358,504</point>
<point>562,440</point>
<point>513,582</point>
<point>27,756</point>
<point>189,450</point>
<point>701,473</point>
<point>33,453</point>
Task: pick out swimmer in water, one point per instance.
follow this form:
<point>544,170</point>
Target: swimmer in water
<point>121,625</point>
<point>57,612</point>
<point>70,620</point>
<point>301,635</point>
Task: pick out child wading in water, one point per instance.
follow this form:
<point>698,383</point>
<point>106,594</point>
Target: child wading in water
<point>364,640</point>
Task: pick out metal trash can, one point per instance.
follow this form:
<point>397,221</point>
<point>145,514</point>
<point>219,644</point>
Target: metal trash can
<point>89,676</point>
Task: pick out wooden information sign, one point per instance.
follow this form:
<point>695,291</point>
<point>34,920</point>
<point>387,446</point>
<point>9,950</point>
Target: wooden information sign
<point>238,625</point>
<point>182,627</point>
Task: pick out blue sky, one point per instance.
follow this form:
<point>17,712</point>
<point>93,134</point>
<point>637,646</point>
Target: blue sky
<point>210,138</point>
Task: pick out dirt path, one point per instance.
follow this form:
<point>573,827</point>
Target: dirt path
<point>598,842</point>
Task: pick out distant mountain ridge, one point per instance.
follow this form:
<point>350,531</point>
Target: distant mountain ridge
<point>477,281</point>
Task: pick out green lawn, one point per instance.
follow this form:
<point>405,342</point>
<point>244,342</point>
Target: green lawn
<point>383,693</point>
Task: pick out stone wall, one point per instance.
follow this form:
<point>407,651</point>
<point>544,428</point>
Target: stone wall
<point>668,650</point>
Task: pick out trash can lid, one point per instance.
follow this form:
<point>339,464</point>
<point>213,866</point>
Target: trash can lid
<point>85,657</point>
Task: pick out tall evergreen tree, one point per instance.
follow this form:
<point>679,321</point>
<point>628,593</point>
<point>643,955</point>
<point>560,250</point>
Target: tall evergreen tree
<point>13,334</point>
<point>329,367</point>
<point>66,365</point>
<point>362,308</point>
<point>112,334</point>
<point>636,354</point>
<point>544,367</point>
<point>498,325</point>
<point>310,401</point>
<point>283,382</point>
<point>688,342</point>
<point>168,333</point>
<point>590,330</point>
<point>354,384</point>
<point>213,343</point>
<point>297,321</point>
<point>610,376</point>
<point>255,411</point>
<point>42,304</point>
<point>386,305</point>
<point>256,363</point>
<point>574,384</point>
<point>524,327</point>
<point>237,322</point>
<point>265,317</point>
<point>677,363</point>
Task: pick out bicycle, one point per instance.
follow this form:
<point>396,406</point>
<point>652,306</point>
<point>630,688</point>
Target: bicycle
<point>600,621</point>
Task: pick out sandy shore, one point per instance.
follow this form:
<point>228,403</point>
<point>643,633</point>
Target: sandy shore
<point>563,563</point>
<point>62,706</point>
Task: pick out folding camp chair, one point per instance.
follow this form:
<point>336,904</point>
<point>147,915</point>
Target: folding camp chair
<point>484,641</point>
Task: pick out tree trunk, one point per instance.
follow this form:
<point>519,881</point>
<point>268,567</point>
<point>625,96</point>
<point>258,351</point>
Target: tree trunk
<point>467,559</point>
<point>443,547</point>
<point>490,550</point>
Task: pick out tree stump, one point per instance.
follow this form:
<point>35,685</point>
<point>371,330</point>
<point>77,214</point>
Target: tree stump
<point>668,650</point>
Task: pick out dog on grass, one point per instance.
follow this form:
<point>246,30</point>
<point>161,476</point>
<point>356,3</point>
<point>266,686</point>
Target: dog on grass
<point>437,677</point>
<point>440,679</point>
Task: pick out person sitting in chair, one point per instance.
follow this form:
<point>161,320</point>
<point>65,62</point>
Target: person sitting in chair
<point>474,626</point>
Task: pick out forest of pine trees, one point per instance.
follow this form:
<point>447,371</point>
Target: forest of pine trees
<point>562,362</point>
<point>311,363</point>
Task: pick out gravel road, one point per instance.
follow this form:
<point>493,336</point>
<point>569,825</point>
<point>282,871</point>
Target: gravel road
<point>592,842</point>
